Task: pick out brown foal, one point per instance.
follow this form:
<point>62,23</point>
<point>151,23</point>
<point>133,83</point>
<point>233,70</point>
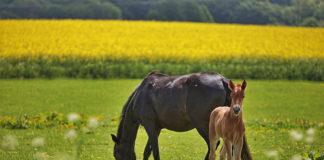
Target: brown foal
<point>227,123</point>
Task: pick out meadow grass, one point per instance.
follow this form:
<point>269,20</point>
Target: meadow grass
<point>270,112</point>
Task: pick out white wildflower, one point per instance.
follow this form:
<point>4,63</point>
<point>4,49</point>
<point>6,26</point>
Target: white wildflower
<point>85,130</point>
<point>73,117</point>
<point>40,156</point>
<point>309,139</point>
<point>9,142</point>
<point>310,131</point>
<point>70,134</point>
<point>272,154</point>
<point>296,135</point>
<point>93,123</point>
<point>38,142</point>
<point>296,157</point>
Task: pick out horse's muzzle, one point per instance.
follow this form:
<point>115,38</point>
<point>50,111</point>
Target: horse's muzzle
<point>236,109</point>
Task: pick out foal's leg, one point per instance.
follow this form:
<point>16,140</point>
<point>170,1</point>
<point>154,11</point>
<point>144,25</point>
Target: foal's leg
<point>222,153</point>
<point>238,149</point>
<point>213,139</point>
<point>151,131</point>
<point>228,148</point>
<point>148,148</point>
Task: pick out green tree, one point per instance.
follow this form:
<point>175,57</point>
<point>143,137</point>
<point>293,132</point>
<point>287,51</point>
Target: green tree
<point>155,15</point>
<point>256,12</point>
<point>180,11</point>
<point>309,22</point>
<point>192,11</point>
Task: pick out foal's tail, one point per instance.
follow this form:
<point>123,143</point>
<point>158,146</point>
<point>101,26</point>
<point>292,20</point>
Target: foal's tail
<point>246,155</point>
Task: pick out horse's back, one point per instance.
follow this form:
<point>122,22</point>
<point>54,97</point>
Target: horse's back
<point>177,102</point>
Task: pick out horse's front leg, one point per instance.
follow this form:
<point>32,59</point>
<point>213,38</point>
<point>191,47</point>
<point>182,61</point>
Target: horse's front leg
<point>152,133</point>
<point>238,149</point>
<point>148,148</point>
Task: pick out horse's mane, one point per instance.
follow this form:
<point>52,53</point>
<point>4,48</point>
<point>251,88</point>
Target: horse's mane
<point>122,116</point>
<point>131,99</point>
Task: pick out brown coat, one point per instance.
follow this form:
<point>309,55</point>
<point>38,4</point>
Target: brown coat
<point>227,123</point>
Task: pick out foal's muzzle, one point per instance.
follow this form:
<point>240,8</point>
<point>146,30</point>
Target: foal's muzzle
<point>236,109</point>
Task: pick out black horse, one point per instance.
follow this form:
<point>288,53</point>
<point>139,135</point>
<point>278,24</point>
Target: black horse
<point>177,103</point>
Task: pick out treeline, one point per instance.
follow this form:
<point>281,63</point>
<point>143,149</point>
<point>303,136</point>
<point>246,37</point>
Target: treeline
<point>274,12</point>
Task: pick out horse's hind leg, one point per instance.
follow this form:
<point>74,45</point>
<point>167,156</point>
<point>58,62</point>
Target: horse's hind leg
<point>148,148</point>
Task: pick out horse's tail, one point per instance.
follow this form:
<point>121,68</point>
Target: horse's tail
<point>246,155</point>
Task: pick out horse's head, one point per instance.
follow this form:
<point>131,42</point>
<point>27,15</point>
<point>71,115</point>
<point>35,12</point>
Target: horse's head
<point>237,96</point>
<point>122,151</point>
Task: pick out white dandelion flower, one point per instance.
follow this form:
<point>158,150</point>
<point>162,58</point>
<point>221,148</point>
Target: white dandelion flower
<point>38,142</point>
<point>9,142</point>
<point>310,131</point>
<point>296,157</point>
<point>296,135</point>
<point>309,139</point>
<point>272,154</point>
<point>93,123</point>
<point>70,134</point>
<point>85,130</point>
<point>73,117</point>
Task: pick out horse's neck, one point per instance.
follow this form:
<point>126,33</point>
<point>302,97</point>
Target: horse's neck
<point>128,130</point>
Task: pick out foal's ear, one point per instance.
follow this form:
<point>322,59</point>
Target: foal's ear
<point>231,85</point>
<point>244,84</point>
<point>114,138</point>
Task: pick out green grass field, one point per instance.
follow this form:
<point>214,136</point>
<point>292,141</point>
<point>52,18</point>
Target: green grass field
<point>271,110</point>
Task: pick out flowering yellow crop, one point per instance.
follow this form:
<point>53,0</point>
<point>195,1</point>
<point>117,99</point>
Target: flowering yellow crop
<point>156,41</point>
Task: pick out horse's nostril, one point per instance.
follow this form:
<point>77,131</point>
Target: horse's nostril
<point>236,109</point>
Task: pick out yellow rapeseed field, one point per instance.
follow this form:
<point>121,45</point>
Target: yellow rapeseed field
<point>156,41</point>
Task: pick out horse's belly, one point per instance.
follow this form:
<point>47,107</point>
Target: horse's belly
<point>175,121</point>
<point>180,127</point>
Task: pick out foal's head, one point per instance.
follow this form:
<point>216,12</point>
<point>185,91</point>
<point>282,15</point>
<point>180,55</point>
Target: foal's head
<point>237,96</point>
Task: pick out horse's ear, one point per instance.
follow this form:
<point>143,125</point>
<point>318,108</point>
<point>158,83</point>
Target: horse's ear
<point>114,138</point>
<point>231,85</point>
<point>244,85</point>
